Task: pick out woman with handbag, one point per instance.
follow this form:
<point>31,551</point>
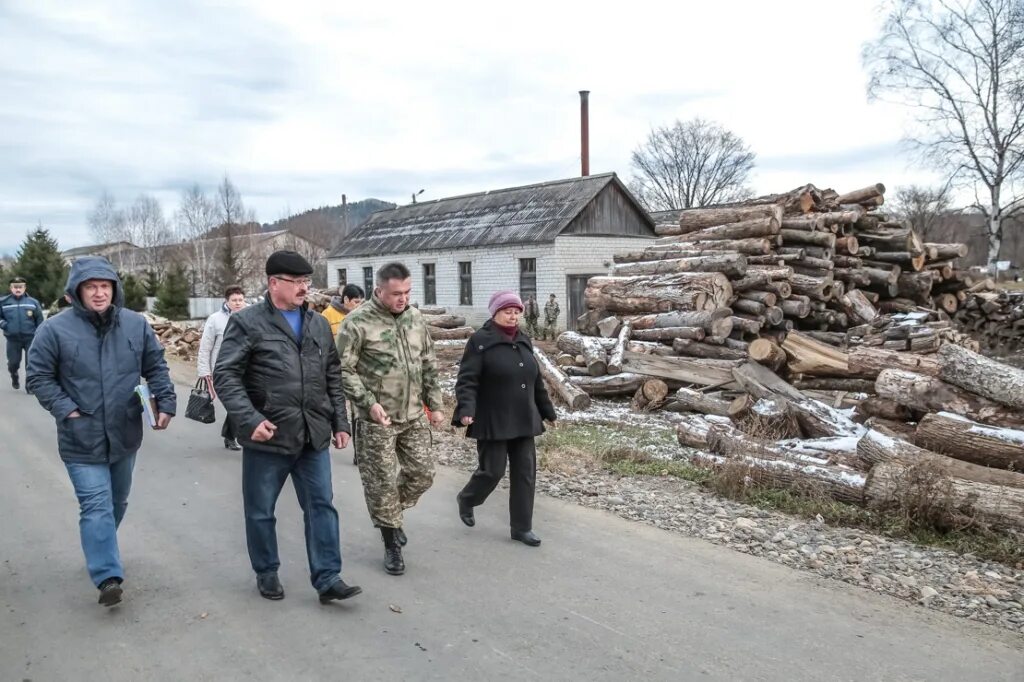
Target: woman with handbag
<point>209,348</point>
<point>501,399</point>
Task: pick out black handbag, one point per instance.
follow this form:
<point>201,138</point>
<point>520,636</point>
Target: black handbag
<point>200,404</point>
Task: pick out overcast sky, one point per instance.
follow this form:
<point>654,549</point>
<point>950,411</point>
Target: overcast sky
<point>299,102</point>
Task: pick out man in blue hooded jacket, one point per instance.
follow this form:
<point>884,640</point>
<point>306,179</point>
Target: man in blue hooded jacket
<point>83,367</point>
<point>20,316</point>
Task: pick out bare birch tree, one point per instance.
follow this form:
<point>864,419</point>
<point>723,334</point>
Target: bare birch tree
<point>960,65</point>
<point>691,164</point>
<point>195,219</point>
<point>106,220</point>
<point>147,228</point>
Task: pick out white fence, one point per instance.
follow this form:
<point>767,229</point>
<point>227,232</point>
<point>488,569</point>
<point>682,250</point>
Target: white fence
<point>198,308</point>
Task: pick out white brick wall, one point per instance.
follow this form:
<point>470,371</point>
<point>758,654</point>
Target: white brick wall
<point>496,268</point>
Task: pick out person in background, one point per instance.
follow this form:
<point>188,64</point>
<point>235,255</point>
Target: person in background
<point>209,349</point>
<point>551,311</point>
<point>390,373</point>
<point>279,377</point>
<point>340,306</point>
<point>532,314</point>
<point>83,367</point>
<point>501,399</point>
<point>20,316</point>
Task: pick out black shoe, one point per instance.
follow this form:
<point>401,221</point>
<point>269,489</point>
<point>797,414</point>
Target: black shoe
<point>400,537</point>
<point>269,586</point>
<point>527,537</point>
<point>14,381</point>
<point>339,590</point>
<point>110,592</point>
<point>393,562</point>
<point>466,513</point>
<point>232,444</point>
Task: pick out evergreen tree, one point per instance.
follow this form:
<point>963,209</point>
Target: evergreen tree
<point>42,265</point>
<point>172,297</point>
<point>228,262</point>
<point>151,283</point>
<point>134,293</point>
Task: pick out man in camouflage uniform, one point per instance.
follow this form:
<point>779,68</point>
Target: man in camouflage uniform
<point>389,372</point>
<point>551,311</point>
<point>532,313</point>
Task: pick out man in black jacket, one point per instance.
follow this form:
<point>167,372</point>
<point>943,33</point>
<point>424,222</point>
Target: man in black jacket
<point>279,377</point>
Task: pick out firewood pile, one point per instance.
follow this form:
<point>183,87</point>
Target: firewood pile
<point>440,324</point>
<point>996,319</point>
<point>949,424</point>
<point>176,337</point>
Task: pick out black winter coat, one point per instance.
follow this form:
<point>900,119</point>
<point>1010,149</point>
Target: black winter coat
<point>263,373</point>
<point>500,387</point>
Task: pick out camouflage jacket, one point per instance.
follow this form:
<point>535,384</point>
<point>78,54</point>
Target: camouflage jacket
<point>388,359</point>
<point>551,311</point>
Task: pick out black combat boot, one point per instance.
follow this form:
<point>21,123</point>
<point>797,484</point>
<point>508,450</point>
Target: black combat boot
<point>14,381</point>
<point>393,562</point>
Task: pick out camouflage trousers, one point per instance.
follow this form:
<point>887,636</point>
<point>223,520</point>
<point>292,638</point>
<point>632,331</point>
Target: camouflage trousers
<point>396,465</point>
<point>549,330</point>
<point>532,329</point>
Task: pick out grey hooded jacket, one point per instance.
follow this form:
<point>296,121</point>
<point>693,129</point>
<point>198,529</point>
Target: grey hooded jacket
<point>91,363</point>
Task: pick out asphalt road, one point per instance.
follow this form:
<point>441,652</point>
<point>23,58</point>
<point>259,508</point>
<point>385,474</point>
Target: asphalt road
<point>602,599</point>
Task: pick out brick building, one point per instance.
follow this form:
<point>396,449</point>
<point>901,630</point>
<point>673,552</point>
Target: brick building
<point>540,239</point>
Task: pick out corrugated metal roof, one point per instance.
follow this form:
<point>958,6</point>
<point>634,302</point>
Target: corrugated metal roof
<point>517,215</point>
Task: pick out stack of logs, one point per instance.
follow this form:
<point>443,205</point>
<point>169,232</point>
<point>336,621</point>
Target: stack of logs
<point>443,325</point>
<point>996,319</point>
<point>947,426</point>
<point>177,338</point>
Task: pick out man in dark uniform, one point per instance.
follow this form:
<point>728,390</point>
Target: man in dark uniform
<point>20,316</point>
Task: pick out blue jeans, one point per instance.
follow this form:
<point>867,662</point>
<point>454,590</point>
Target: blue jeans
<point>263,476</point>
<point>102,492</point>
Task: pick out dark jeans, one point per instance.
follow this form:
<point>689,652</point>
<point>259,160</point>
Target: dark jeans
<point>263,476</point>
<point>102,492</point>
<point>522,464</point>
<point>16,346</point>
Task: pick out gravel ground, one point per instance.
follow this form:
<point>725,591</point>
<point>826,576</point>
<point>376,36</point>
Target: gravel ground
<point>962,585</point>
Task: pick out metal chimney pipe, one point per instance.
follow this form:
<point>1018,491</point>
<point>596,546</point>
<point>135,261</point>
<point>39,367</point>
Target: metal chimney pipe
<point>585,132</point>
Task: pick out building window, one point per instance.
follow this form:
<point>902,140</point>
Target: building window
<point>465,283</point>
<point>527,277</point>
<point>429,284</point>
<point>342,277</point>
<point>367,281</point>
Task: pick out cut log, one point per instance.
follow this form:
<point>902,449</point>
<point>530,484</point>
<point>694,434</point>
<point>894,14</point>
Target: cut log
<point>696,349</point>
<point>650,396</point>
<point>668,252</point>
<point>868,362</point>
<point>668,334</point>
<point>816,418</point>
<point>781,289</point>
<point>916,286</point>
<point>610,385</point>
<point>766,298</point>
<point>432,309</point>
<point>683,370</point>
<point>796,306</point>
<point>929,394</point>
<point>904,259</point>
<point>439,334</point>
<point>445,321</point>
<point>875,448</point>
<point>691,220</point>
<point>823,239</point>
<point>858,307</point>
<point>749,307</point>
<point>747,325</point>
<point>750,247</point>
<point>768,419</point>
<point>846,384</point>
<point>565,360</point>
<point>609,326</point>
<point>970,501</point>
<point>884,408</point>
<point>689,400</point>
<point>692,431</point>
<point>615,357</point>
<point>862,195</point>
<point>818,288</point>
<point>807,356</point>
<point>767,353</point>
<point>716,322</point>
<point>747,229</point>
<point>659,293</point>
<point>733,265</point>
<point>947,251</point>
<point>981,375</point>
<point>556,379</point>
<point>955,436</point>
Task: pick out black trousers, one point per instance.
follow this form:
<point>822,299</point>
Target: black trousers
<point>228,430</point>
<point>522,464</point>
<point>16,346</point>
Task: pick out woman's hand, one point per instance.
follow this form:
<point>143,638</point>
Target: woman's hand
<point>466,421</point>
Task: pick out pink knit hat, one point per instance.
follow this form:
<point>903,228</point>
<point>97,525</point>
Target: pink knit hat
<point>504,299</point>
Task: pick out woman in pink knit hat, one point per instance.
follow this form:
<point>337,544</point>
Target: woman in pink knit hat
<point>502,401</point>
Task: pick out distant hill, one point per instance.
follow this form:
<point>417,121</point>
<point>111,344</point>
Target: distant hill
<point>326,225</point>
